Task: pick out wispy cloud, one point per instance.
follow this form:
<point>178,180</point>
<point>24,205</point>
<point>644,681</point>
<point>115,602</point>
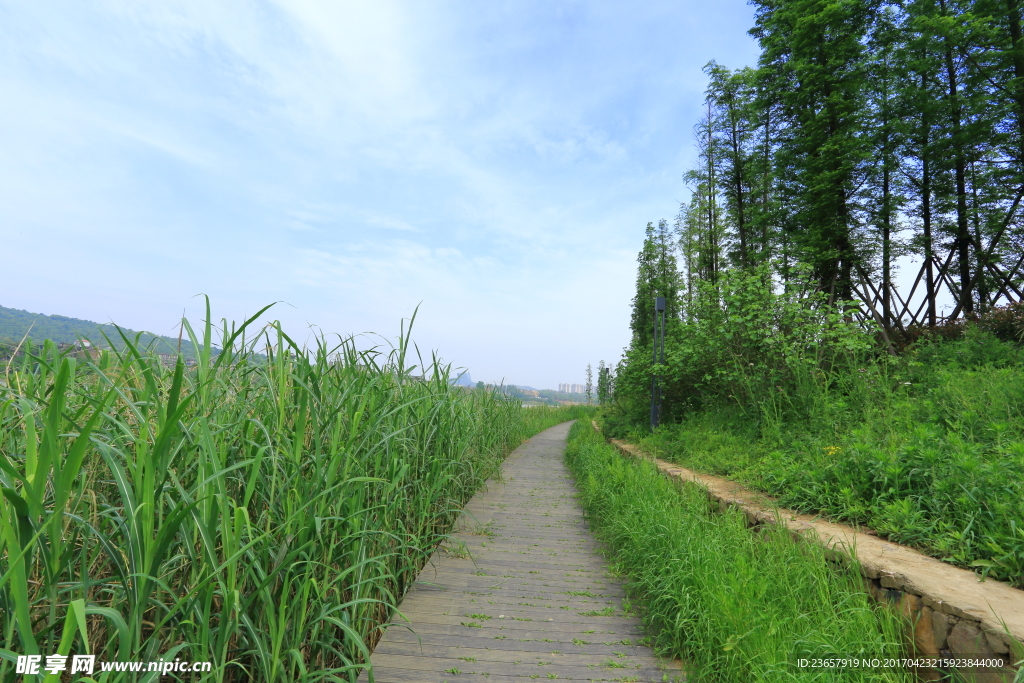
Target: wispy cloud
<point>496,162</point>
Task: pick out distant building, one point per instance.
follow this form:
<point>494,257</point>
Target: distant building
<point>571,389</point>
<point>81,350</point>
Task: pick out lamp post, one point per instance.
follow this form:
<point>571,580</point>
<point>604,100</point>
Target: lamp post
<point>659,357</point>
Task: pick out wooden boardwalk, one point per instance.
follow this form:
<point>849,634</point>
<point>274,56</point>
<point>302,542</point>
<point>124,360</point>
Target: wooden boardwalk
<point>520,593</point>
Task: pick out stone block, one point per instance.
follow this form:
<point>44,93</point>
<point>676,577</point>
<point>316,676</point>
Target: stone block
<point>966,639</point>
<point>869,570</point>
<point>924,633</point>
<point>940,628</point>
<point>962,610</point>
<point>909,606</point>
<point>959,611</point>
<point>894,580</point>
<point>872,589</point>
<point>997,642</point>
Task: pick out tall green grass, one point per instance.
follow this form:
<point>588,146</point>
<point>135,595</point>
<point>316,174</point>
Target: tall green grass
<point>262,511</point>
<point>735,605</point>
<point>927,449</point>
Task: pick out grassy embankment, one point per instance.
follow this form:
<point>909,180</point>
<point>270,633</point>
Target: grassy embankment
<point>733,604</point>
<point>261,513</point>
<point>927,449</point>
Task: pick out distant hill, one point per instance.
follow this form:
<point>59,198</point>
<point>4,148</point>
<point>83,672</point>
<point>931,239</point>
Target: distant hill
<point>16,323</point>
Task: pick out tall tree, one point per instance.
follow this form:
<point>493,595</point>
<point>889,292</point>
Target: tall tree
<point>732,126</point>
<point>817,47</point>
<point>885,77</point>
<point>657,275</point>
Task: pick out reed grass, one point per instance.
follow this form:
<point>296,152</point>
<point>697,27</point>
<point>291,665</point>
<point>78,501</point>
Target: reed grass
<point>735,605</point>
<point>264,509</point>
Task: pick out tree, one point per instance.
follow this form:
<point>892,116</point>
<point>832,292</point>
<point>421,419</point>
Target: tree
<point>918,108</point>
<point>884,198</point>
<point>590,384</point>
<point>657,275</point>
<point>815,50</point>
<point>603,383</point>
<point>731,151</point>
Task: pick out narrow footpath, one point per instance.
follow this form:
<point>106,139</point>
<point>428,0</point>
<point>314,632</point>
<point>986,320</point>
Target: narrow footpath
<point>520,592</point>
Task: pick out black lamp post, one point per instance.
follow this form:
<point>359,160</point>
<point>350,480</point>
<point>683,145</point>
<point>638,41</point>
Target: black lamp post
<point>659,357</point>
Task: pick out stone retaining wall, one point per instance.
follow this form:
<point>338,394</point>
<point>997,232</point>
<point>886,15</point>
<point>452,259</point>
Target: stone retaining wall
<point>949,611</point>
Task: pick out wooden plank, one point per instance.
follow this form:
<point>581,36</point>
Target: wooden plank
<point>559,600</point>
<point>441,634</point>
<point>581,667</point>
<point>493,652</point>
<point>538,593</point>
<point>447,581</point>
<point>421,634</point>
<point>456,624</point>
<point>391,675</point>
<point>556,606</point>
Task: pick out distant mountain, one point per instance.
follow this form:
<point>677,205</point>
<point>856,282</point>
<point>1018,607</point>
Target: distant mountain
<point>16,323</point>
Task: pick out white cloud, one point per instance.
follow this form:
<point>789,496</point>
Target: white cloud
<point>496,161</point>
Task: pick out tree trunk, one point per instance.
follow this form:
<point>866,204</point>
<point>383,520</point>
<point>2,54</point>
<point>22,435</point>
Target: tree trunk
<point>886,238</point>
<point>737,179</point>
<point>1017,54</point>
<point>963,238</point>
<point>926,219</point>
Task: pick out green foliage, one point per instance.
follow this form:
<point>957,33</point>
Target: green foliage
<point>778,388</point>
<point>928,450</point>
<point>813,61</point>
<point>605,383</point>
<point>1005,322</point>
<point>733,604</point>
<point>657,275</point>
<point>745,344</point>
<point>867,131</point>
<point>262,513</point>
<point>975,348</point>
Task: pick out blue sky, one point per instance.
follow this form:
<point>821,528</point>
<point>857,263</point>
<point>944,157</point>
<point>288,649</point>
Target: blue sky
<point>493,162</point>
